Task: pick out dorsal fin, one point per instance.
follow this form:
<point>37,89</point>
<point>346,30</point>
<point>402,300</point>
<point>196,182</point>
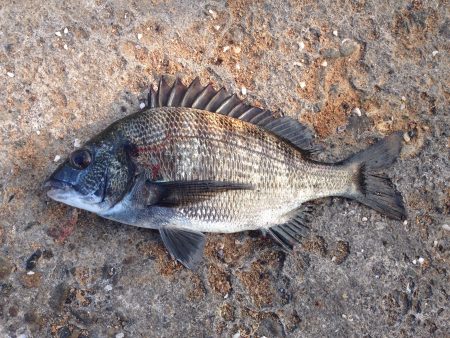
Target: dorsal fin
<point>222,102</point>
<point>176,94</point>
<point>194,89</point>
<point>163,92</point>
<point>293,131</point>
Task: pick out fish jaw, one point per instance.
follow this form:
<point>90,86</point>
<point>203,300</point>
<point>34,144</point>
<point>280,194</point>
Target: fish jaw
<point>65,193</point>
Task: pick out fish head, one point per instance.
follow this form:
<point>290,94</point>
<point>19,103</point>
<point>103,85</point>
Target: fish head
<point>94,177</point>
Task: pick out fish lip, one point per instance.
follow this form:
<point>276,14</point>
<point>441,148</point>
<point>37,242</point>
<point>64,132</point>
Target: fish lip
<point>54,184</point>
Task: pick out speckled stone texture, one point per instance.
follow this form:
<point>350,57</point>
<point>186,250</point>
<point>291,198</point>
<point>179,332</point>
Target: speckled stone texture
<point>352,70</point>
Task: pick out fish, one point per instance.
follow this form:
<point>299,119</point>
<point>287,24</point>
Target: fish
<point>198,160</point>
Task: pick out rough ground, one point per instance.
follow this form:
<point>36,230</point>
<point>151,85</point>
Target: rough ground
<point>352,70</point>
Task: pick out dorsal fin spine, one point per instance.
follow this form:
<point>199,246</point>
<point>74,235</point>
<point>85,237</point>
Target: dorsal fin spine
<point>172,94</point>
<point>216,100</point>
<point>224,108</point>
<point>235,111</point>
<point>206,94</point>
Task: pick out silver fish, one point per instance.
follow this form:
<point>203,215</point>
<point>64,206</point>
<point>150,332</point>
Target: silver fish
<point>199,160</point>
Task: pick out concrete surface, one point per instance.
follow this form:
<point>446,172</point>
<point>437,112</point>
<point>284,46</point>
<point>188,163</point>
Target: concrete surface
<point>352,70</point>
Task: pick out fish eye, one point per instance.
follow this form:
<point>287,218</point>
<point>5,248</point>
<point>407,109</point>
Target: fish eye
<point>80,159</point>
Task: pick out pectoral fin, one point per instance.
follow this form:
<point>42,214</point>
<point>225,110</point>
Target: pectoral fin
<point>175,193</point>
<point>184,245</point>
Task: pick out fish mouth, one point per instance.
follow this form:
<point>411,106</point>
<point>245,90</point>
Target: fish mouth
<point>57,189</point>
<point>66,193</point>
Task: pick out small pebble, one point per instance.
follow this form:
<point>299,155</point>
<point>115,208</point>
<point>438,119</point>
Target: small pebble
<point>142,105</point>
<point>435,243</point>
<point>357,111</point>
<point>407,139</point>
<point>301,45</point>
<point>10,74</point>
<point>65,47</point>
<point>347,47</point>
<point>237,335</point>
<point>408,289</point>
<point>120,335</point>
<point>57,158</point>
<point>76,143</point>
<point>341,129</point>
<point>435,52</point>
<point>446,227</point>
<point>30,273</point>
<point>226,296</point>
<point>58,34</point>
<point>405,222</point>
<point>421,260</point>
<point>108,287</point>
<point>330,53</point>
<point>238,66</point>
<point>236,49</point>
<point>244,90</point>
<point>324,63</point>
<point>364,219</point>
<point>226,49</point>
<point>298,64</point>
<point>414,261</point>
<point>217,27</point>
<point>139,36</point>
<point>213,13</point>
<point>38,132</point>
<point>238,242</point>
<point>302,85</point>
<point>403,98</point>
<point>66,30</point>
<point>335,33</point>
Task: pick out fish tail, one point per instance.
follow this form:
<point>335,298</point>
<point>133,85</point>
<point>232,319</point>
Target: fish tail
<point>373,188</point>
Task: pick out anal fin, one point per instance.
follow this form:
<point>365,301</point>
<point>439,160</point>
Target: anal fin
<point>290,233</point>
<point>186,246</point>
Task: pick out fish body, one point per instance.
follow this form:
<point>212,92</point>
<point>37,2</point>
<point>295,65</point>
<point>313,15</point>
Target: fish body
<point>185,144</point>
<point>198,160</point>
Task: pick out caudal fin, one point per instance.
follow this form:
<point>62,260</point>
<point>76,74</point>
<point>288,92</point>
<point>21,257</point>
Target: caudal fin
<point>373,188</point>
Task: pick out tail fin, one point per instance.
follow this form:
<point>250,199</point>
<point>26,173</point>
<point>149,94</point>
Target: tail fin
<point>374,189</point>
